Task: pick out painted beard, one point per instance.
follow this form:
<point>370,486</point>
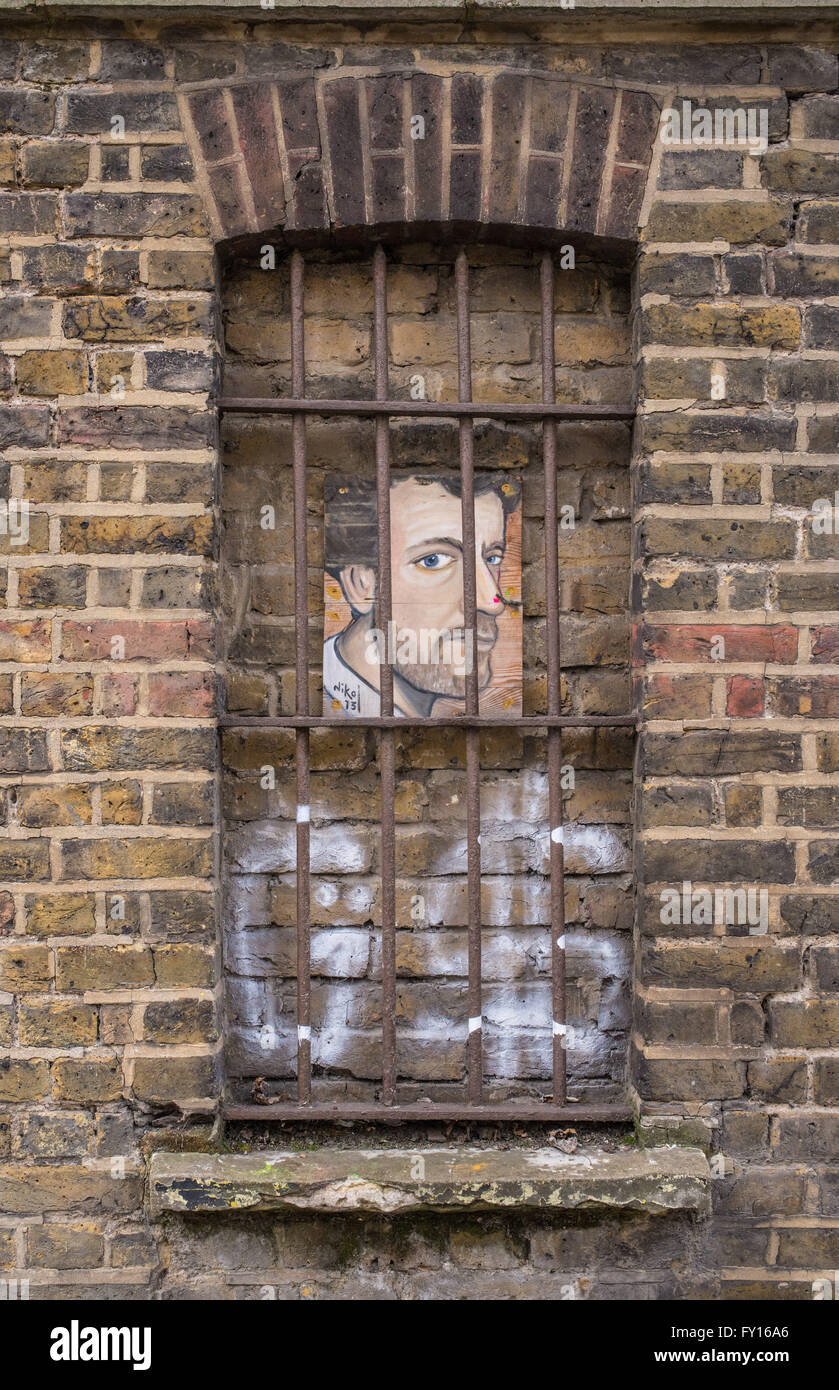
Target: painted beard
<point>447,675</point>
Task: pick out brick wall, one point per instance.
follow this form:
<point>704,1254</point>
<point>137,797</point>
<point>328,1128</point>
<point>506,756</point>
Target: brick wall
<point>110,995</point>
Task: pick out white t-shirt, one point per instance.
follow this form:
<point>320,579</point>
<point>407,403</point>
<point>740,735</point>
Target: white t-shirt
<point>342,684</point>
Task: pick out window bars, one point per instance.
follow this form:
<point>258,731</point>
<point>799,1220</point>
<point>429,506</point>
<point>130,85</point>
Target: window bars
<point>465,411</point>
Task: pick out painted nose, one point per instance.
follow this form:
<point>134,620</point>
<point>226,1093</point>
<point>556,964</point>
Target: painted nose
<point>489,599</point>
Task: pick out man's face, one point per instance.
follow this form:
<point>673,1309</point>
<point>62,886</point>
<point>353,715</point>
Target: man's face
<point>427,582</point>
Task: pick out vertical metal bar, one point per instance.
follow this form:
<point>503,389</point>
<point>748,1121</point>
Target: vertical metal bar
<point>386,736</point>
<point>552,637</point>
<point>301,690</point>
<point>474,1046</point>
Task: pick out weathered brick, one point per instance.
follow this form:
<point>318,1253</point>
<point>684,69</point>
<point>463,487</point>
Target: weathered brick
<point>715,325</point>
<point>31,1189</point>
<point>748,966</point>
<point>136,858</point>
<point>62,1023</point>
<point>164,1079</point>
<point>660,1079</point>
<point>51,373</point>
<point>114,319</point>
<point>39,806</point>
<point>115,966</point>
<point>804,1022</point>
<point>55,164</point>
<point>62,914</point>
<point>96,747</point>
<point>735,222</point>
<point>715,539</point>
<point>83,1080</point>
<point>64,1247</point>
<point>23,1080</point>
<point>180,1021</point>
<point>54,586</point>
<point>149,427</point>
<point>50,693</point>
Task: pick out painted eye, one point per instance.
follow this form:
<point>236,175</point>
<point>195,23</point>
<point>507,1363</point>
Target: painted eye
<point>435,561</point>
<point>495,560</point>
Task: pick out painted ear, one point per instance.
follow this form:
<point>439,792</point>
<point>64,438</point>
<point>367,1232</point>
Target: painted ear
<point>358,583</point>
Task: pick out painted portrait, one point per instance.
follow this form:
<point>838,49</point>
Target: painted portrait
<point>426,640</point>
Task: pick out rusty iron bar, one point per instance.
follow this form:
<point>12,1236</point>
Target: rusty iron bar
<point>482,410</point>
<point>554,663</point>
<point>474,1044</point>
<point>482,721</point>
<point>433,1111</point>
<point>553,643</point>
<point>301,691</point>
<point>386,737</point>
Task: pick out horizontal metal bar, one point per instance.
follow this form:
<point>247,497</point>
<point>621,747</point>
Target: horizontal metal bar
<point>466,721</point>
<point>507,410</point>
<point>531,1111</point>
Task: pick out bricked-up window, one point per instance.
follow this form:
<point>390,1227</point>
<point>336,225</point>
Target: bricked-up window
<point>377,955</point>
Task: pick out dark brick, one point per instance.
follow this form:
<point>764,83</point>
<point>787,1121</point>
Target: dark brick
<point>719,861</point>
<point>179,371</point>
<point>508,110</point>
<point>61,60</point>
<point>817,806</point>
<point>426,99</point>
<point>26,112</point>
<point>344,130</point>
<point>135,214</point>
<point>803,381</point>
<point>24,318</point>
<point>591,133</point>
<point>701,169</point>
<point>715,539</point>
<point>744,271</point>
<point>166,164</point>
<point>698,751</point>
<point>55,164</point>
<point>91,113</point>
<point>821,326</point>
<point>119,270</point>
<point>128,60</point>
<point>823,860</point>
<point>28,214</point>
<point>114,163</point>
<point>708,431</point>
<point>804,1022</point>
<point>805,276</point>
<point>778,1080</point>
<point>24,426</point>
<point>812,916</point>
<point>819,222</point>
<point>257,139</point>
<point>149,427</point>
<point>466,109</point>
<point>62,268</point>
<point>23,750</point>
<point>726,64</point>
<point>800,69</point>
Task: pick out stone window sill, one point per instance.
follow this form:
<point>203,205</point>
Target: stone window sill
<point>395,1181</point>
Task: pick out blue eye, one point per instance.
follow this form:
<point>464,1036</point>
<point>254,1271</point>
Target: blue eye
<point>436,561</point>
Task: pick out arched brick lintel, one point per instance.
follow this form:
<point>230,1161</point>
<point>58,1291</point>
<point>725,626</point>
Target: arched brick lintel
<point>318,152</point>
